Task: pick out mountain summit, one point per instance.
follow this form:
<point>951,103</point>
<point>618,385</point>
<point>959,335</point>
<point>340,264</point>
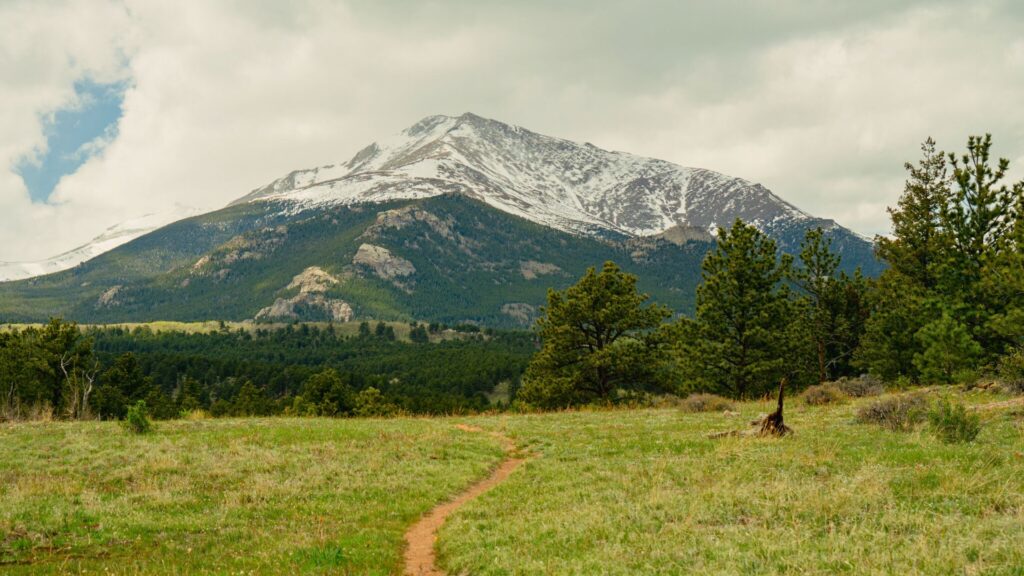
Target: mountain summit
<point>456,219</point>
<point>577,188</point>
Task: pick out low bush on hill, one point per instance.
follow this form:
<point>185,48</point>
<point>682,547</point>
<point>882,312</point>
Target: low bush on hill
<point>706,403</point>
<point>823,394</point>
<point>1011,371</point>
<point>952,423</point>
<point>898,413</point>
<point>136,420</point>
<point>861,386</point>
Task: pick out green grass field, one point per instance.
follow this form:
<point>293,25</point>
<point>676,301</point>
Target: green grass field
<point>617,492</point>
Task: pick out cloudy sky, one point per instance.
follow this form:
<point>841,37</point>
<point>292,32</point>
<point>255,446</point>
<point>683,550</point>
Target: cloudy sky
<point>111,110</point>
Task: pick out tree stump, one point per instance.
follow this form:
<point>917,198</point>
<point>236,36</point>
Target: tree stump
<point>770,425</point>
<point>773,424</point>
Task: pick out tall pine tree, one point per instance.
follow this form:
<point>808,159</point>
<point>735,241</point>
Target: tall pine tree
<point>737,343</point>
<point>917,249</point>
<point>599,336</point>
<point>834,306</point>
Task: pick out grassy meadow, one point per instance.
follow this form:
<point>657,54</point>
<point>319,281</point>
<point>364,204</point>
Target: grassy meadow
<point>614,492</point>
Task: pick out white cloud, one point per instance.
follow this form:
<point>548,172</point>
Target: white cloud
<point>821,106</point>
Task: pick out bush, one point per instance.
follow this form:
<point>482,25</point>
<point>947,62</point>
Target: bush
<point>861,386</point>
<point>822,394</point>
<point>898,413</point>
<point>706,403</point>
<point>370,403</point>
<point>195,414</point>
<point>1011,371</point>
<point>952,423</point>
<point>136,420</point>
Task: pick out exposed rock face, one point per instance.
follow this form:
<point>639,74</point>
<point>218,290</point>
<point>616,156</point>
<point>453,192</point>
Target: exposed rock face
<point>531,269</point>
<point>312,283</point>
<point>313,279</point>
<point>304,303</point>
<point>680,234</point>
<point>109,298</point>
<point>519,311</point>
<point>383,263</point>
<point>400,218</point>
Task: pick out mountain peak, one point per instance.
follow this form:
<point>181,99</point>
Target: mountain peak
<point>579,188</point>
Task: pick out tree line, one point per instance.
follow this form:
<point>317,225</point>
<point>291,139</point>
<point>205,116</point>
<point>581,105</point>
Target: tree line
<point>60,370</point>
<point>950,303</point>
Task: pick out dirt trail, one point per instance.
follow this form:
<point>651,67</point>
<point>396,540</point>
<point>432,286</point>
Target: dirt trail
<point>420,559</point>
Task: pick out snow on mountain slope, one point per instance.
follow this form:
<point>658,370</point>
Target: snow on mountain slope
<point>569,186</point>
<point>111,238</point>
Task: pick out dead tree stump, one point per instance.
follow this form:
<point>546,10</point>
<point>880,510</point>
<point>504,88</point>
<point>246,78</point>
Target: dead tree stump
<point>773,424</point>
<point>770,425</point>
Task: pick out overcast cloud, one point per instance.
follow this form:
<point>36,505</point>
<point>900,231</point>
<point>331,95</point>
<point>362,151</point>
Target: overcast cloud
<point>820,101</point>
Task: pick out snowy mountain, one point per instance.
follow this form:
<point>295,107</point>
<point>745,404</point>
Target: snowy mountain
<point>110,238</point>
<point>456,219</point>
<point>572,187</point>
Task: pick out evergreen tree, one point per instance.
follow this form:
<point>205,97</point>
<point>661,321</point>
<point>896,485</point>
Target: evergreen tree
<point>978,216</point>
<point>946,348</point>
<point>955,252</point>
<point>918,248</point>
<point>834,305</point>
<point>24,371</point>
<point>327,394</point>
<point>598,337</point>
<point>737,344</point>
<point>250,401</point>
<point>418,334</point>
<point>898,308</point>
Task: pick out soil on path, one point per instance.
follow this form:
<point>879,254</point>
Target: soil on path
<point>420,559</point>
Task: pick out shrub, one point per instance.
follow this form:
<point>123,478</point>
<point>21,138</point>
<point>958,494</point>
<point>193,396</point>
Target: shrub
<point>371,403</point>
<point>195,414</point>
<point>861,386</point>
<point>952,423</point>
<point>898,413</point>
<point>822,394</point>
<point>706,403</point>
<point>136,420</point>
<point>1011,371</point>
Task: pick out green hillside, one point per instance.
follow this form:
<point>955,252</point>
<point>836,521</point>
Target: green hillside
<point>456,260</point>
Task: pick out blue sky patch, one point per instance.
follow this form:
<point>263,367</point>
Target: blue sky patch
<point>73,135</point>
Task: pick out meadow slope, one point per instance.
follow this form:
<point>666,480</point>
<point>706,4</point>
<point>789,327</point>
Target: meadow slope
<point>618,492</point>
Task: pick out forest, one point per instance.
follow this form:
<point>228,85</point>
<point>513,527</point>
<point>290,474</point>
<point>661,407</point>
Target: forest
<point>63,371</point>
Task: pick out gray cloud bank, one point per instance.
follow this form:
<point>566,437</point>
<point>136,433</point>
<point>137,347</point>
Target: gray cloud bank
<point>820,101</point>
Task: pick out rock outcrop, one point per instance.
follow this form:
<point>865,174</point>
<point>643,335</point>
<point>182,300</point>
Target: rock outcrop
<point>311,301</point>
<point>384,264</point>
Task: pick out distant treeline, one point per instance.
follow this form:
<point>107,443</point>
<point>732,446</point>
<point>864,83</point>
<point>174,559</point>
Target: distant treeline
<point>59,370</point>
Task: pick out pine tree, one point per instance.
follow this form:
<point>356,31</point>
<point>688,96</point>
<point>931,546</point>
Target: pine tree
<point>978,216</point>
<point>834,306</point>
<point>946,348</point>
<point>956,251</point>
<point>918,249</point>
<point>983,288</point>
<point>598,337</point>
<point>738,342</point>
